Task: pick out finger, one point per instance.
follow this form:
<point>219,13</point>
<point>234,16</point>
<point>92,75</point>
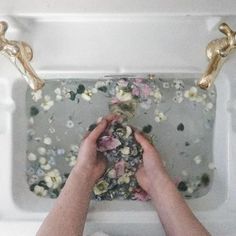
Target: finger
<point>111,117</point>
<point>94,135</point>
<point>142,140</point>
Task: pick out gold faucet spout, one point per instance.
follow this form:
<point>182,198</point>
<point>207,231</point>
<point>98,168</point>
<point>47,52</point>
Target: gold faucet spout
<point>20,54</point>
<point>217,52</point>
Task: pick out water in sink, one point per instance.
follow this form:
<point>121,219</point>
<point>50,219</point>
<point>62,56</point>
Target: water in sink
<point>177,115</point>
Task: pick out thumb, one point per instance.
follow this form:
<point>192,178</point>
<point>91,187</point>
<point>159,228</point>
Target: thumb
<point>142,140</point>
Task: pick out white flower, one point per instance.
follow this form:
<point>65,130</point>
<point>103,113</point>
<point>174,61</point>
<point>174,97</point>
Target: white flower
<point>41,150</point>
<point>74,148</point>
<point>47,141</point>
<point>47,103</point>
<point>40,191</point>
<point>184,173</point>
<point>157,95</point>
<point>58,94</point>
<point>211,166</point>
<point>72,161</point>
<point>32,157</point>
<point>125,178</point>
<point>100,84</point>
<point>191,94</point>
<point>87,95</point>
<point>69,124</point>
<point>209,106</point>
<point>46,166</point>
<point>178,84</point>
<point>178,99</point>
<point>160,116</point>
<point>197,159</point>
<point>122,95</point>
<point>53,179</point>
<point>166,85</point>
<point>42,160</point>
<point>100,187</point>
<point>36,95</point>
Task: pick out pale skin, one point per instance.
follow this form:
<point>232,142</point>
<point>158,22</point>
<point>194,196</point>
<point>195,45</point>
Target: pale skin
<point>68,216</point>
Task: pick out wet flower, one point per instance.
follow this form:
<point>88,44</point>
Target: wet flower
<point>53,179</point>
<point>72,160</point>
<point>124,179</point>
<point>69,124</point>
<point>47,103</point>
<point>100,187</point>
<point>112,174</point>
<point>166,85</point>
<point>32,157</point>
<point>146,104</point>
<point>178,99</point>
<point>120,168</point>
<point>191,94</point>
<point>107,143</point>
<point>41,150</point>
<point>36,95</point>
<point>157,95</point>
<point>160,116</point>
<point>197,159</point>
<point>123,96</point>
<point>74,148</point>
<point>178,84</point>
<point>140,89</point>
<point>209,106</point>
<point>58,93</point>
<point>47,141</point>
<point>87,95</point>
<point>40,191</point>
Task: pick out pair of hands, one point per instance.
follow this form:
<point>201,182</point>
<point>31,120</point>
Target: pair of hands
<point>92,163</point>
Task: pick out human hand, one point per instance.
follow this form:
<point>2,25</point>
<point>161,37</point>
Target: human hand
<point>152,166</point>
<point>90,162</point>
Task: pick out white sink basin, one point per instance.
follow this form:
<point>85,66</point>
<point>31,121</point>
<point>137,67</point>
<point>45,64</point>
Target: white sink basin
<point>101,45</point>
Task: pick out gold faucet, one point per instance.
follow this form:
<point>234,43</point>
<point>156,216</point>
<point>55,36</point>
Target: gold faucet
<point>217,51</point>
<point>20,54</point>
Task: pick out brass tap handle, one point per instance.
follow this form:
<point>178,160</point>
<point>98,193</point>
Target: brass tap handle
<point>20,54</point>
<point>217,51</point>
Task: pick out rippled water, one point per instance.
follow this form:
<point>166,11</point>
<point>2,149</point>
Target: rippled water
<point>176,114</point>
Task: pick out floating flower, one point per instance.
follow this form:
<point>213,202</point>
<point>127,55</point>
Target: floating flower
<point>40,191</point>
<point>53,179</point>
<point>122,83</point>
<point>32,157</point>
<point>74,148</point>
<point>178,84</point>
<point>191,94</point>
<point>178,99</point>
<point>141,89</point>
<point>197,159</point>
<point>41,150</point>
<point>47,103</point>
<point>157,95</point>
<point>146,104</point>
<point>209,106</point>
<point>69,124</point>
<point>106,143</point>
<point>160,116</point>
<point>112,174</point>
<point>47,141</point>
<point>72,160</point>
<point>36,95</point>
<point>58,93</point>
<point>87,95</point>
<point>166,85</point>
<point>123,96</point>
<point>100,187</point>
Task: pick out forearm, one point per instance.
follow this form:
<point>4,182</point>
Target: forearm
<point>69,213</point>
<point>175,215</point>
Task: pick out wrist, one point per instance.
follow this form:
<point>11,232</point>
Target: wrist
<point>160,182</point>
<point>83,176</point>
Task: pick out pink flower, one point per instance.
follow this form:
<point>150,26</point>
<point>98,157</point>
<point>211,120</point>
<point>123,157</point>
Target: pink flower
<point>115,100</point>
<point>120,168</point>
<point>141,195</point>
<point>123,83</point>
<point>106,143</point>
<point>141,89</point>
